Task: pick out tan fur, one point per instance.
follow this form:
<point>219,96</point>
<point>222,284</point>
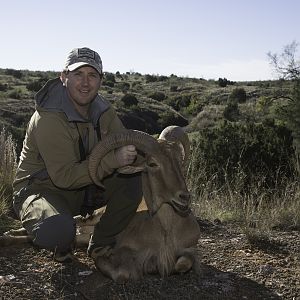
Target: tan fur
<point>154,245</point>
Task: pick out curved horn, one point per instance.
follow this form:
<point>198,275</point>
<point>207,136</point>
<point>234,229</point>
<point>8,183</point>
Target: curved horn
<point>177,134</point>
<point>143,141</point>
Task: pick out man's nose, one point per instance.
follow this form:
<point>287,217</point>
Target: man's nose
<point>85,80</point>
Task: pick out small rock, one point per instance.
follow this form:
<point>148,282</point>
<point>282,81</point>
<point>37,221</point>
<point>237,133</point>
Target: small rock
<point>85,273</point>
<point>6,278</point>
<point>266,269</point>
<point>205,241</point>
<point>217,222</point>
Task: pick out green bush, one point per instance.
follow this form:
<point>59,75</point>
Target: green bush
<point>129,100</point>
<point>16,94</point>
<point>159,96</point>
<point>109,80</point>
<point>222,82</point>
<point>231,111</point>
<point>251,149</point>
<point>109,77</point>
<point>239,95</point>
<point>36,85</point>
<point>179,102</point>
<point>196,105</point>
<point>289,113</point>
<point>162,78</point>
<point>3,87</point>
<point>15,73</point>
<point>123,86</point>
<point>173,88</point>
<point>150,78</point>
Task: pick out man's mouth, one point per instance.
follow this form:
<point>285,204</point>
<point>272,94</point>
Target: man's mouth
<point>84,91</point>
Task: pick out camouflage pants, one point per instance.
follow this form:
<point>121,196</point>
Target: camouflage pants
<point>47,217</point>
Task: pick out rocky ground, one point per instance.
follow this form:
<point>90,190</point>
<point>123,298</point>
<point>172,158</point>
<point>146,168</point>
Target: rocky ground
<point>230,269</point>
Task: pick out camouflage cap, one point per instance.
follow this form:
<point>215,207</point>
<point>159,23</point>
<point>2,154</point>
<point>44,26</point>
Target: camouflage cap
<point>79,57</point>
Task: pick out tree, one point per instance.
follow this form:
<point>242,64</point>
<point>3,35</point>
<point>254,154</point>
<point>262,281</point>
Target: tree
<point>223,82</point>
<point>287,66</point>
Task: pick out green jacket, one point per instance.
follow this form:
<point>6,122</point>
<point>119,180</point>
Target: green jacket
<point>50,158</point>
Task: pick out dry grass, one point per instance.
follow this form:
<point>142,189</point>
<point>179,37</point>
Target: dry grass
<point>258,211</point>
<point>8,158</point>
<point>8,164</point>
<point>4,206</point>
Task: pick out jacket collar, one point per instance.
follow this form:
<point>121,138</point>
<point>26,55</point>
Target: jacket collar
<point>53,97</point>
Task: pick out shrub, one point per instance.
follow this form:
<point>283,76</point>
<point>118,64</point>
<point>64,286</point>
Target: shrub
<point>109,80</point>
<point>239,95</point>
<point>15,73</point>
<point>123,86</point>
<point>162,78</point>
<point>16,94</point>
<point>129,100</point>
<point>231,111</point>
<point>150,78</point>
<point>110,77</point>
<point>179,102</point>
<point>253,149</point>
<point>108,83</point>
<point>173,88</point>
<point>159,96</point>
<point>196,105</point>
<point>36,85</point>
<point>119,75</point>
<point>3,87</point>
<point>223,82</point>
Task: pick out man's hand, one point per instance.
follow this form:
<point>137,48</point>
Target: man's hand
<point>126,155</point>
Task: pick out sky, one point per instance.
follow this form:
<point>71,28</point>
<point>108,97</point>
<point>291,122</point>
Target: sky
<point>191,38</point>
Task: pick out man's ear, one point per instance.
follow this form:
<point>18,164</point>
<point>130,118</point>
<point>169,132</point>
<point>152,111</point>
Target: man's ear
<point>63,77</point>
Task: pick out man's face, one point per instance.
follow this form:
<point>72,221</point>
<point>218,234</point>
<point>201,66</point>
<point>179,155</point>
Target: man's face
<point>82,86</point>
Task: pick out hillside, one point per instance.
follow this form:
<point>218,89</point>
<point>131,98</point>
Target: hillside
<point>145,102</point>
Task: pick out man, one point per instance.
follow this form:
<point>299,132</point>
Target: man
<point>52,182</point>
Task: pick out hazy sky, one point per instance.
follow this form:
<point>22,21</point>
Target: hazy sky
<point>209,39</point>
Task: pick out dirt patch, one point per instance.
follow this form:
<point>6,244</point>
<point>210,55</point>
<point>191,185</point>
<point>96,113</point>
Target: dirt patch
<point>229,269</point>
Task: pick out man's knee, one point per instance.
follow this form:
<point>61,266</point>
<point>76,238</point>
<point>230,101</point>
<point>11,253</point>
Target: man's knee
<point>125,187</point>
<point>55,233</point>
<point>131,185</point>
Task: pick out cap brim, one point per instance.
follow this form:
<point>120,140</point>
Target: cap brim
<point>77,65</point>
